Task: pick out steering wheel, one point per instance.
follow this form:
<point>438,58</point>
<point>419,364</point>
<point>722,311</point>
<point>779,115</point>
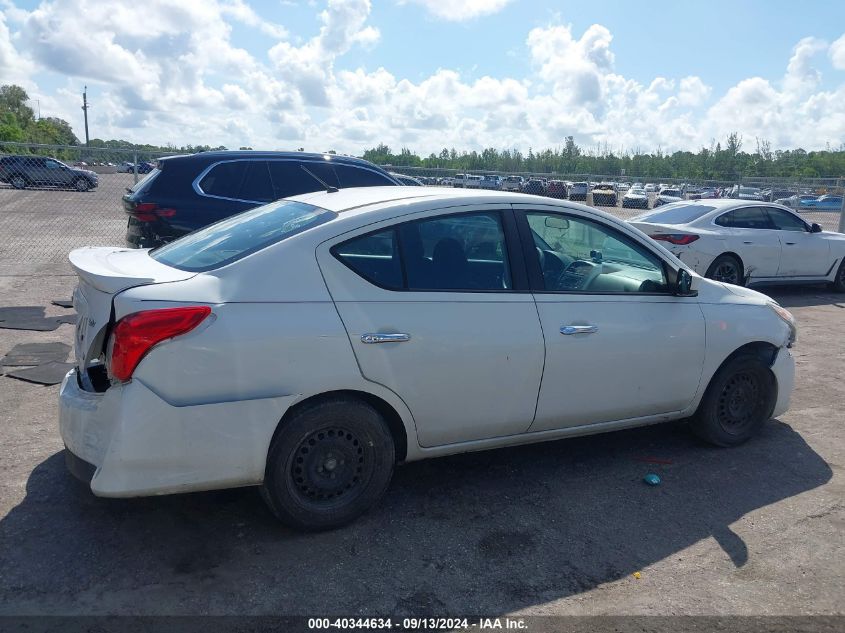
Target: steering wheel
<point>569,279</point>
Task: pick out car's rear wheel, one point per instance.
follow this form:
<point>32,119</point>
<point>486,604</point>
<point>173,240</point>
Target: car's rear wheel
<point>81,184</point>
<point>740,398</point>
<point>727,269</point>
<point>328,464</point>
<point>18,181</point>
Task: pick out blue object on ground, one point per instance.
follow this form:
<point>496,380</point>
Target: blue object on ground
<point>651,479</point>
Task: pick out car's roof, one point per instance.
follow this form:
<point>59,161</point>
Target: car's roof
<point>218,155</point>
<point>719,206</point>
<point>383,201</point>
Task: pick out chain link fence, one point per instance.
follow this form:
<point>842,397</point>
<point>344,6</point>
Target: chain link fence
<point>56,198</point>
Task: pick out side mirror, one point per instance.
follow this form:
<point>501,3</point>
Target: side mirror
<point>815,228</point>
<point>683,284</point>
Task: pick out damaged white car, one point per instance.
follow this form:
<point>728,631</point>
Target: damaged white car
<point>309,345</point>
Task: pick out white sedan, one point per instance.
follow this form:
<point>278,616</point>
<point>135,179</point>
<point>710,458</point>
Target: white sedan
<point>745,242</point>
<point>309,345</point>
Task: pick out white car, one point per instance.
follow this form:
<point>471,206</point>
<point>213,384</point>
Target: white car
<point>309,345</point>
<point>745,242</point>
<point>635,199</point>
<point>667,196</point>
<point>650,188</point>
<point>513,183</point>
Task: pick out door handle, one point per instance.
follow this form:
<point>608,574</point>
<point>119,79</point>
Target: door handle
<point>579,329</point>
<point>385,338</point>
<point>790,243</point>
<point>748,242</point>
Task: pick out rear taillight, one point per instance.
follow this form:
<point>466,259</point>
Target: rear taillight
<point>681,239</point>
<point>134,335</point>
<point>150,212</point>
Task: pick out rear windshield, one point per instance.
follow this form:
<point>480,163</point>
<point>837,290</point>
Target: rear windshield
<point>145,182</point>
<point>240,235</point>
<point>676,213</point>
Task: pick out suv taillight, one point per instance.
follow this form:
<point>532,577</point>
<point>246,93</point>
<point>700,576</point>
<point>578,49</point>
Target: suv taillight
<point>149,212</point>
<point>136,334</point>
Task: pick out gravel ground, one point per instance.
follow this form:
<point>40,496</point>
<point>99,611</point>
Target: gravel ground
<point>557,528</point>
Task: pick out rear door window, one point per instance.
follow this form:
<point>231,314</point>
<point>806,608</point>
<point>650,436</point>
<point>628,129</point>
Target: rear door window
<point>256,184</point>
<point>358,177</point>
<point>745,218</point>
<point>292,177</point>
<point>224,179</point>
<point>375,257</point>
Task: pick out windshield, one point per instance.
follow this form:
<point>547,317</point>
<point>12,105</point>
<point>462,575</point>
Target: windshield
<point>678,213</point>
<point>671,192</point>
<point>749,190</point>
<point>240,235</point>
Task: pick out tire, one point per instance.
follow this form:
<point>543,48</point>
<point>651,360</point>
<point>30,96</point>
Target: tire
<point>327,465</point>
<point>727,269</point>
<point>838,284</point>
<point>81,184</point>
<point>739,400</point>
<point>18,181</point>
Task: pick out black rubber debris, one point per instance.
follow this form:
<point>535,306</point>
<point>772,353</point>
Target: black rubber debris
<point>21,312</point>
<point>31,318</point>
<point>27,354</point>
<point>46,374</point>
<point>63,304</point>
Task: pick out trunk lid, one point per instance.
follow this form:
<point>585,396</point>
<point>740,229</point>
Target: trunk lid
<point>103,273</point>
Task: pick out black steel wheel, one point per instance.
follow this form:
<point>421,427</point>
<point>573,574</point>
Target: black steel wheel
<point>330,462</point>
<point>81,184</point>
<point>839,281</point>
<point>727,269</point>
<point>740,398</point>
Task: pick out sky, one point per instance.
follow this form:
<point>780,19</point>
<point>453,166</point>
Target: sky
<point>427,74</point>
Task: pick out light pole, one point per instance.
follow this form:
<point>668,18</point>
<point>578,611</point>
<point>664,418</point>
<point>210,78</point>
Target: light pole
<point>85,111</point>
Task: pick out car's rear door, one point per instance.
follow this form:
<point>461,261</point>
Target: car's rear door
<point>749,232</point>
<point>437,310</point>
<point>619,345</point>
<point>803,253</point>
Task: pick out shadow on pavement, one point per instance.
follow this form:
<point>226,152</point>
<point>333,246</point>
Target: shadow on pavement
<point>484,533</point>
<point>804,296</point>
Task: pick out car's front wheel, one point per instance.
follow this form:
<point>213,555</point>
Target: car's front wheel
<point>839,281</point>
<point>727,269</point>
<point>328,464</point>
<point>740,398</point>
<point>81,184</point>
<point>18,181</point>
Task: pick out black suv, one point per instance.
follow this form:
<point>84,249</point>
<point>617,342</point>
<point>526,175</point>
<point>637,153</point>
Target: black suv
<point>41,171</point>
<point>185,193</point>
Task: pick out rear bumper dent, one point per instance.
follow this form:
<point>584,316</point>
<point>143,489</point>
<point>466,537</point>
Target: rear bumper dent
<point>140,445</point>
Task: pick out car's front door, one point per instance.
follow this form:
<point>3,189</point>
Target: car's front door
<point>619,345</point>
<point>437,309</point>
<point>803,253</point>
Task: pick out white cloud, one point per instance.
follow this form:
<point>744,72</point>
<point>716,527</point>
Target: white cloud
<point>176,76</point>
<point>837,53</point>
<point>460,10</point>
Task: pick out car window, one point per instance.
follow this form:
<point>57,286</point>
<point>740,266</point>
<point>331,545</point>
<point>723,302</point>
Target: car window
<point>745,218</point>
<point>224,179</point>
<point>785,221</point>
<point>240,235</point>
<point>577,254</point>
<point>350,176</point>
<point>53,164</point>
<point>676,213</point>
<point>256,184</point>
<point>375,257</point>
<point>456,252</point>
<point>290,179</point>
